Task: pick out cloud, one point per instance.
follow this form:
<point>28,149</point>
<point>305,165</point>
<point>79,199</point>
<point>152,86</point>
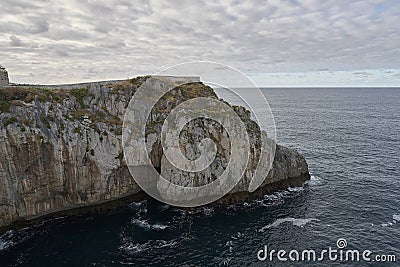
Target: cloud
<point>14,41</point>
<point>123,38</point>
<point>37,25</point>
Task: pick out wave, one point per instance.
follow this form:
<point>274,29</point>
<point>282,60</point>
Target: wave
<point>5,244</point>
<point>226,261</point>
<point>137,205</point>
<point>280,196</point>
<point>165,207</point>
<point>276,198</point>
<point>295,222</point>
<point>314,181</point>
<point>206,211</point>
<point>147,226</point>
<point>395,217</point>
<point>133,248</point>
<point>295,189</point>
<point>6,240</point>
<point>386,224</point>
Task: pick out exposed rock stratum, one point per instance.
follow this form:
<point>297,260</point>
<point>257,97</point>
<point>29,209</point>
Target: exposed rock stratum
<point>61,148</point>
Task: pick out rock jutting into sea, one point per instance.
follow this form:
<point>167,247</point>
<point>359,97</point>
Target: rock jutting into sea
<point>61,148</point>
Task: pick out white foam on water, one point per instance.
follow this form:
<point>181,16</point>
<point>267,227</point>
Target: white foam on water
<point>140,207</point>
<point>165,243</point>
<point>295,189</point>
<point>4,242</point>
<point>147,226</point>
<point>133,248</point>
<point>207,211</point>
<point>141,223</point>
<point>229,243</point>
<point>396,218</point>
<point>237,235</point>
<point>314,181</point>
<point>165,207</point>
<point>295,222</point>
<point>226,261</point>
<point>271,197</point>
<point>158,226</point>
<point>276,198</point>
<point>135,205</point>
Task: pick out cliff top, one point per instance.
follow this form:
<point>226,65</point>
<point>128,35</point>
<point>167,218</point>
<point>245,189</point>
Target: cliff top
<point>56,93</point>
<point>98,101</point>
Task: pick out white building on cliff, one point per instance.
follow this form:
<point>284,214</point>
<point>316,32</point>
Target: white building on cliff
<point>3,76</point>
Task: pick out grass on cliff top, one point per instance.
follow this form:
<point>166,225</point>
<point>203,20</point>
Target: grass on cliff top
<point>192,90</point>
<point>28,94</point>
<point>189,90</point>
<point>138,81</point>
<point>79,94</point>
<point>8,96</point>
<point>118,88</point>
<point>12,95</point>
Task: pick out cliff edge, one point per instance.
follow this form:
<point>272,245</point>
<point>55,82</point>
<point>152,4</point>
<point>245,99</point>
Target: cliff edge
<point>61,148</point>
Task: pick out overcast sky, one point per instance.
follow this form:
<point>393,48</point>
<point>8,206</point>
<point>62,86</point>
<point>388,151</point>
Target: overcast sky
<point>276,43</point>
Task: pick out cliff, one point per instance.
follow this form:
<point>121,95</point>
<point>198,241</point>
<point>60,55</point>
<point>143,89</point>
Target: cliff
<point>61,148</point>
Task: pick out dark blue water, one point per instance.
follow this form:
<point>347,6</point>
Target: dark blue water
<point>350,140</point>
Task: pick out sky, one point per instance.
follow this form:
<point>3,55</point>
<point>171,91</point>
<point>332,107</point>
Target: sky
<point>275,43</point>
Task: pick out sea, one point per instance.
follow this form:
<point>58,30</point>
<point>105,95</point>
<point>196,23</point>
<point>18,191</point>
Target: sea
<point>350,138</point>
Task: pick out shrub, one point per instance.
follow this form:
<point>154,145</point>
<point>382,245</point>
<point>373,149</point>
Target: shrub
<point>5,106</point>
<point>26,122</point>
<point>79,94</point>
<point>10,121</point>
<point>44,120</point>
<point>29,98</point>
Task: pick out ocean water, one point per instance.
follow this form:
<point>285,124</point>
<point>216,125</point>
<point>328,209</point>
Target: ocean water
<point>350,140</point>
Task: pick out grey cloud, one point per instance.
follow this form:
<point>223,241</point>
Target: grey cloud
<point>61,53</point>
<point>37,25</point>
<point>119,37</point>
<point>112,44</point>
<point>14,41</point>
<point>363,73</point>
<point>20,6</point>
<point>103,26</point>
<point>29,26</point>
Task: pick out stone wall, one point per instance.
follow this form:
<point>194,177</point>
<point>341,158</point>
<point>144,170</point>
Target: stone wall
<point>3,77</point>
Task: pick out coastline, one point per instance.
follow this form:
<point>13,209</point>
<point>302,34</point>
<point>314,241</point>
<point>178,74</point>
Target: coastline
<point>62,151</point>
<point>105,206</point>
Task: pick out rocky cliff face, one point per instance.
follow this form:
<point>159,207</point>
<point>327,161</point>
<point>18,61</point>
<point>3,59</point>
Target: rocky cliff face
<point>61,148</point>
